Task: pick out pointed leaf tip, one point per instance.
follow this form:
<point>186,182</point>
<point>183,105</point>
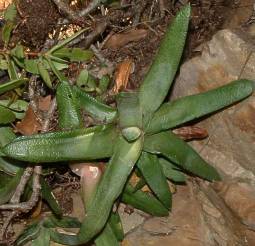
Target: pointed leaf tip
<point>165,65</point>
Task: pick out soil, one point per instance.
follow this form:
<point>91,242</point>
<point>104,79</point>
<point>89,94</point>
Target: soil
<point>38,18</point>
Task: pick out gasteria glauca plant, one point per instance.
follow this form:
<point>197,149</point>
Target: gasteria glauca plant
<point>136,136</point>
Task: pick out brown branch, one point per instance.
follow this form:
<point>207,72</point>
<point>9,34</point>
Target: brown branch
<point>86,40</point>
<point>21,186</point>
<point>73,15</point>
<point>92,5</point>
<point>64,7</point>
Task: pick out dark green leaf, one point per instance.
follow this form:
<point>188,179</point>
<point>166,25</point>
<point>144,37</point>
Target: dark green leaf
<point>12,70</point>
<point>31,65</point>
<point>48,196</point>
<point>65,42</point>
<point>104,83</point>
<point>188,108</point>
<point>144,202</point>
<point>6,115</point>
<point>107,237</point>
<point>151,170</point>
<point>74,54</point>
<point>6,33</point>
<point>45,74</point>
<point>3,64</point>
<point>54,69</point>
<point>129,110</point>
<point>43,238</point>
<point>179,152</point>
<point>171,171</point>
<point>93,107</point>
<point>116,225</point>
<point>162,72</point>
<point>81,144</point>
<point>9,187</point>
<point>11,85</point>
<point>18,51</point>
<point>10,167</point>
<point>85,81</point>
<point>18,107</point>
<point>31,232</point>
<point>68,108</point>
<point>64,222</point>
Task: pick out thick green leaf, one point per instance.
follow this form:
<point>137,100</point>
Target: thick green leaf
<point>74,54</point>
<point>48,196</point>
<point>44,74</point>
<point>10,12</point>
<point>64,222</point>
<point>171,171</point>
<point>140,184</point>
<point>68,108</point>
<point>144,202</point>
<point>31,232</point>
<point>107,237</point>
<point>110,187</point>
<point>81,144</point>
<point>10,167</point>
<point>116,225</point>
<point>93,107</point>
<point>158,80</point>
<point>11,85</point>
<point>179,152</point>
<point>43,238</point>
<point>151,170</point>
<point>188,108</point>
<point>131,133</point>
<point>130,115</point>
<point>129,110</point>
<point>9,187</point>
<point>6,115</point>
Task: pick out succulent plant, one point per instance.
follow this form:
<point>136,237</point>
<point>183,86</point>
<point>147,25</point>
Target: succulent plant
<point>134,136</point>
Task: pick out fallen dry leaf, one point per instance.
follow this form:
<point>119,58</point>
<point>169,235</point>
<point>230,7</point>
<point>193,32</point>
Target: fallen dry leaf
<point>124,69</point>
<point>121,39</point>
<point>29,125</point>
<point>4,4</point>
<point>191,132</point>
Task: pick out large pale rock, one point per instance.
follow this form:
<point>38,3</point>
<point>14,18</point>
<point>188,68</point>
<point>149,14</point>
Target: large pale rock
<point>188,225</point>
<point>231,143</point>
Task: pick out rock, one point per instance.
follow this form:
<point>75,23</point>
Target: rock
<point>240,198</point>
<point>130,221</point>
<point>230,146</point>
<point>187,225</point>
